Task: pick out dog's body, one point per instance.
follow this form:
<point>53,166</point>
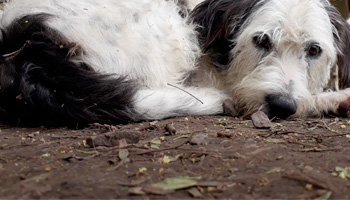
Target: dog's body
<point>69,62</point>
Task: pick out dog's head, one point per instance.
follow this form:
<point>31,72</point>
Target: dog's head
<point>274,55</point>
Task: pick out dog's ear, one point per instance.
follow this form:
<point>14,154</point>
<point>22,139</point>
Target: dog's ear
<point>219,22</point>
<point>344,57</point>
<point>342,40</point>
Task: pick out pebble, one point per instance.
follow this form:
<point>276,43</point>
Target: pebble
<point>111,139</point>
<point>199,139</point>
<point>261,120</point>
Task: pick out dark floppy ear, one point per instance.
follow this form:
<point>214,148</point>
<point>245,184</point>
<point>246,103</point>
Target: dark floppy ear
<point>342,39</point>
<point>219,22</point>
<point>344,58</point>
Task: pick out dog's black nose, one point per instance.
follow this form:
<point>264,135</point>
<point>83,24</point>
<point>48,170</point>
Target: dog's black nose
<point>281,106</point>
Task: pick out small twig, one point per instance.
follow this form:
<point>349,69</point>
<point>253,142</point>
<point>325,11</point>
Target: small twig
<point>337,135</point>
<point>133,183</point>
<point>109,149</point>
<point>290,132</point>
<point>122,162</point>
<point>279,132</point>
<point>82,158</point>
<point>69,137</point>
<point>186,92</point>
<point>319,149</point>
<point>302,178</point>
<point>17,51</point>
<point>327,127</point>
<point>231,154</point>
<point>300,143</point>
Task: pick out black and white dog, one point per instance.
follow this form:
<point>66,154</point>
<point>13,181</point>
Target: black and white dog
<point>67,62</point>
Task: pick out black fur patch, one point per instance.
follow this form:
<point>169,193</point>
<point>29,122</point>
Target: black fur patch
<point>220,21</point>
<point>39,85</point>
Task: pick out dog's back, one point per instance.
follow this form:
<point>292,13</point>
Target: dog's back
<point>109,61</point>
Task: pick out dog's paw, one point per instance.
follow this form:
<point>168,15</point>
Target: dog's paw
<point>229,108</point>
<point>332,103</point>
<point>344,108</point>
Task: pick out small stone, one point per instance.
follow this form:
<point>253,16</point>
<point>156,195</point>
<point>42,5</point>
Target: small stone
<point>170,129</point>
<point>199,139</point>
<point>261,120</point>
<point>194,192</point>
<point>111,139</point>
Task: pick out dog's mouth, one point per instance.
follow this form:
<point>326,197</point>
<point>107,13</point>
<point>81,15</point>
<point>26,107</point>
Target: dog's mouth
<point>280,106</point>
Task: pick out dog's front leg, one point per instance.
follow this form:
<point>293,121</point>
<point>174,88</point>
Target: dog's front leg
<point>337,103</point>
<point>160,103</point>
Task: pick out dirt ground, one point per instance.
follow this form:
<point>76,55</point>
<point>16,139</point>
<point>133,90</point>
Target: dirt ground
<point>211,157</point>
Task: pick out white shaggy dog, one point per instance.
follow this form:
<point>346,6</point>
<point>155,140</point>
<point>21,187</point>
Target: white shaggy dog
<point>70,62</point>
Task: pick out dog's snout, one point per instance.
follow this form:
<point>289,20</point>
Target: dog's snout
<point>281,106</point>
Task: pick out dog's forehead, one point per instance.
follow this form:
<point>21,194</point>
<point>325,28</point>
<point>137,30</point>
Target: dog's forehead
<point>295,19</point>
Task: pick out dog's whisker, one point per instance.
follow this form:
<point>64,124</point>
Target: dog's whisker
<point>186,92</point>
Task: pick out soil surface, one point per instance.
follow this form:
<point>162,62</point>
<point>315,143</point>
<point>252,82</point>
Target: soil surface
<point>180,158</point>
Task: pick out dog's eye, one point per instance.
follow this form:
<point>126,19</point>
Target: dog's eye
<point>314,50</point>
<point>263,42</point>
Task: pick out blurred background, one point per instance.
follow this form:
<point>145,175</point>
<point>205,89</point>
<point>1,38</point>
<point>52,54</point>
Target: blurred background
<point>343,6</point>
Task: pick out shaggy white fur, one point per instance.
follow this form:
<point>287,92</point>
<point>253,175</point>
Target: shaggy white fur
<point>294,50</point>
<point>270,55</point>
